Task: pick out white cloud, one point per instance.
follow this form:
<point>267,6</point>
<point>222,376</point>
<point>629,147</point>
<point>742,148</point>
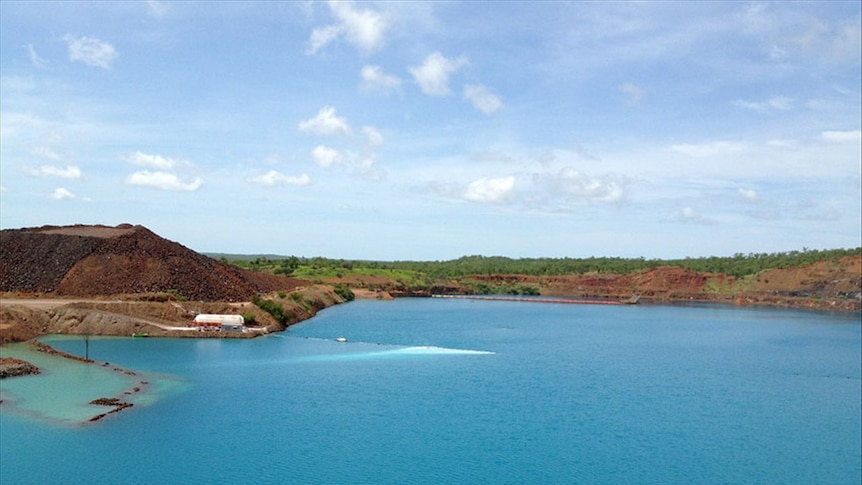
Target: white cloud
<point>634,93</point>
<point>777,103</point>
<point>373,77</point>
<point>153,161</point>
<point>830,43</point>
<point>433,75</point>
<point>62,194</point>
<point>704,150</point>
<point>322,36</point>
<point>70,172</point>
<point>90,51</point>
<point>156,9</point>
<point>748,194</point>
<point>375,138</point>
<point>571,183</point>
<point>34,57</point>
<point>482,99</point>
<point>325,156</point>
<point>490,189</point>
<point>842,136</point>
<point>162,181</point>
<point>363,28</point>
<point>687,214</point>
<point>273,178</point>
<point>46,153</point>
<point>325,123</point>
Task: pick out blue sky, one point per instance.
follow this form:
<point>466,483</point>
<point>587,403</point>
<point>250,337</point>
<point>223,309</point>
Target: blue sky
<point>428,131</point>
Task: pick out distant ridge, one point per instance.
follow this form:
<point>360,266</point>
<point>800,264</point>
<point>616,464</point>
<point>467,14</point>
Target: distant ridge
<point>91,260</point>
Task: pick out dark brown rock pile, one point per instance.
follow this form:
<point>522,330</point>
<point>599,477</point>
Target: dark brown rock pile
<point>102,260</point>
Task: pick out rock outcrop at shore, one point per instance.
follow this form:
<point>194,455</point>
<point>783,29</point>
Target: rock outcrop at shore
<point>102,260</point>
<point>10,367</point>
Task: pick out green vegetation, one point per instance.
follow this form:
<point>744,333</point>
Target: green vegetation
<point>484,288</point>
<point>344,292</point>
<point>418,274</point>
<point>272,307</point>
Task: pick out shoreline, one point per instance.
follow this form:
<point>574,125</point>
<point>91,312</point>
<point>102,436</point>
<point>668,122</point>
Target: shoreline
<point>117,403</point>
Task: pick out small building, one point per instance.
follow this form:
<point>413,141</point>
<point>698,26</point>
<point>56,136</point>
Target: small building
<point>227,323</point>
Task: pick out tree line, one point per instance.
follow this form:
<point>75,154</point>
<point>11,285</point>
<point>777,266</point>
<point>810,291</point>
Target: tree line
<point>738,265</point>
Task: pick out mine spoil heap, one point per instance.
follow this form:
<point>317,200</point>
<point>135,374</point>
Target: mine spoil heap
<point>87,260</point>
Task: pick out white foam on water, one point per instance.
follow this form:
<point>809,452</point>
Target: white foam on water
<point>383,351</point>
<point>430,349</point>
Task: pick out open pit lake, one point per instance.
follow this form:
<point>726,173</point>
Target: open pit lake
<point>430,391</point>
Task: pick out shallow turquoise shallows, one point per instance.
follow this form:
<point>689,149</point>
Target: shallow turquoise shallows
<point>430,391</point>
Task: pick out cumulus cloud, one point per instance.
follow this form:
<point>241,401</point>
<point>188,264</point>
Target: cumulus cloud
<point>325,156</point>
<point>689,215</point>
<point>490,189</point>
<point>572,184</point>
<point>322,36</point>
<point>373,77</point>
<point>154,161</point>
<point>325,123</point>
<point>62,194</point>
<point>704,150</point>
<point>842,136</point>
<point>363,28</point>
<point>90,51</point>
<point>432,75</point>
<point>70,172</point>
<point>482,99</point>
<point>274,178</point>
<point>163,181</point>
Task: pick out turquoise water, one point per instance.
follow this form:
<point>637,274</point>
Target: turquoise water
<point>453,391</point>
<point>61,393</point>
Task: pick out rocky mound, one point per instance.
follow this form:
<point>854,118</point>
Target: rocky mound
<point>10,367</point>
<point>102,260</point>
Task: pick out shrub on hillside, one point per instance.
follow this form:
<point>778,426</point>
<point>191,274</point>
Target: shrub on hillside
<point>344,292</point>
<point>272,307</point>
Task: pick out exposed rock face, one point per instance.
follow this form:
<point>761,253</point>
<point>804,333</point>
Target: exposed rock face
<point>103,260</point>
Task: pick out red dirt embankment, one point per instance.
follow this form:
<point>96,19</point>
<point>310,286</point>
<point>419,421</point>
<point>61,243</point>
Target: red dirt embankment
<point>833,284</point>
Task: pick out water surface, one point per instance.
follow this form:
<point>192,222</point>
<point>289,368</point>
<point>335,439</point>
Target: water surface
<point>454,391</point>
